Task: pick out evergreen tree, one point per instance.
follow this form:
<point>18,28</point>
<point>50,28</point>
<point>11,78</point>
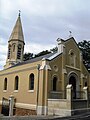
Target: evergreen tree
<point>27,56</point>
<point>42,53</point>
<point>54,49</point>
<point>85,48</point>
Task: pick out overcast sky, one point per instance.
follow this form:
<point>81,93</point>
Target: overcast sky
<point>43,22</point>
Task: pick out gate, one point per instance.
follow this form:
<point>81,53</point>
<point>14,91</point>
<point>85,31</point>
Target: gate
<point>5,107</point>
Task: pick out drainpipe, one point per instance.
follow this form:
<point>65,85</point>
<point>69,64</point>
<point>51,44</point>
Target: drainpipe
<point>38,66</point>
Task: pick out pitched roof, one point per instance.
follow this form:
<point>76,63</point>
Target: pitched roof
<point>35,59</point>
<point>49,56</point>
<point>17,33</point>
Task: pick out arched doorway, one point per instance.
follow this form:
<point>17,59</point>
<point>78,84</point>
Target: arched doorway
<point>72,81</point>
<point>73,78</point>
<point>54,87</point>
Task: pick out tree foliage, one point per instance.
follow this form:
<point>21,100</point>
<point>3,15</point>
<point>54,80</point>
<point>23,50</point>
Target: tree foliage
<point>54,49</point>
<point>83,45</point>
<point>85,48</point>
<point>27,56</point>
<point>42,53</point>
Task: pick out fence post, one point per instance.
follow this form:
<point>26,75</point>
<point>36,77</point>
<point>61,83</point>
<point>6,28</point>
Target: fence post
<point>11,105</point>
<point>69,92</point>
<point>85,95</point>
<point>69,98</point>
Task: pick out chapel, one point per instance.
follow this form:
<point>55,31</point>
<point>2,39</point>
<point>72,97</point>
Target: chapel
<point>57,83</point>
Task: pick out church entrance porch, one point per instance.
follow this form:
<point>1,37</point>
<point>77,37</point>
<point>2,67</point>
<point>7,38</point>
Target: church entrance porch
<point>74,81</point>
<point>69,106</point>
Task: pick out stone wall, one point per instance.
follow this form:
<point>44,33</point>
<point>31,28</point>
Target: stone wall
<point>23,112</point>
<point>64,107</point>
<point>59,107</point>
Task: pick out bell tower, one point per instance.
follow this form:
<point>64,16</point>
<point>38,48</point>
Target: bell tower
<point>15,45</point>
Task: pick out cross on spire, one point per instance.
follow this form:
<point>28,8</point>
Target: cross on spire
<point>19,13</point>
<point>70,33</point>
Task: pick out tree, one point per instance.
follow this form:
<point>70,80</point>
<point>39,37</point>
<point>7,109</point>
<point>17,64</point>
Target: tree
<point>42,53</point>
<point>85,48</point>
<point>27,56</point>
<point>54,49</point>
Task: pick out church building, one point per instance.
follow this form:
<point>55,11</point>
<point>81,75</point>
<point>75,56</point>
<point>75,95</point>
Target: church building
<point>40,85</point>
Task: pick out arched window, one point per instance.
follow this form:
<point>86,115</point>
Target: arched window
<point>31,81</point>
<point>14,48</point>
<point>72,58</point>
<point>16,83</point>
<point>5,84</point>
<point>54,84</point>
<point>9,51</point>
<point>19,52</point>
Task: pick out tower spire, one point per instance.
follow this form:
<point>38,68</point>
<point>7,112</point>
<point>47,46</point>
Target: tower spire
<point>17,33</point>
<point>15,44</point>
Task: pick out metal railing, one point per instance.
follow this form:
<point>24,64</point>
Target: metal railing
<point>89,95</point>
<point>62,94</point>
<point>77,94</point>
<point>89,98</point>
<point>57,95</point>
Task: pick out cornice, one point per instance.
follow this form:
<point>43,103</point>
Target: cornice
<point>20,70</point>
<point>73,68</point>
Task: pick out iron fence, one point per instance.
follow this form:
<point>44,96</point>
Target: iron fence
<point>77,94</point>
<point>89,95</point>
<point>89,98</point>
<point>5,107</point>
<point>63,94</point>
<point>57,95</point>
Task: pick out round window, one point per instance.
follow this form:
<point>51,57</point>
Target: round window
<point>55,68</point>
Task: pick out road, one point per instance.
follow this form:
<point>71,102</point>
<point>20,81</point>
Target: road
<point>77,117</point>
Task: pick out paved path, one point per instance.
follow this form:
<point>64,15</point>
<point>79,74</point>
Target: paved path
<point>77,117</point>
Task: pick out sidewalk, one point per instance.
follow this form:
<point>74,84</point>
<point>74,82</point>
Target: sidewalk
<point>77,117</point>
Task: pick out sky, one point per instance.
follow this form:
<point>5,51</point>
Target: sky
<point>43,22</point>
